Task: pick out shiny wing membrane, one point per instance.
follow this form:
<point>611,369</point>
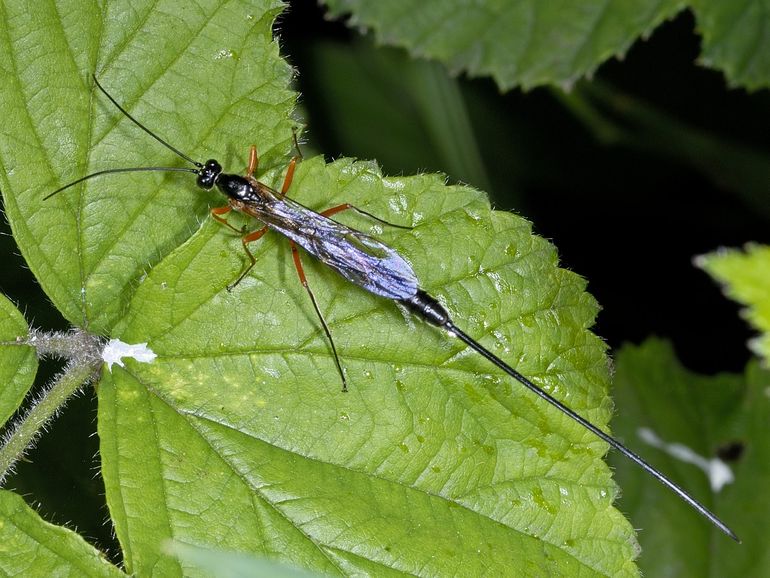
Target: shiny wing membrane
<point>359,258</point>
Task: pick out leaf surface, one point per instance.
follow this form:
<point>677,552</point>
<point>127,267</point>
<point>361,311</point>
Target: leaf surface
<point>242,431</point>
<point>88,245</point>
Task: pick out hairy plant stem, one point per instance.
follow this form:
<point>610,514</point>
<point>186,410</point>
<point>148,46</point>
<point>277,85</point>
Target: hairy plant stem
<point>82,349</point>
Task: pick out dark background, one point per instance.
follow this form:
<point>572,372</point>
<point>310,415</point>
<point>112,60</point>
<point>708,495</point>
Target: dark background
<point>628,208</point>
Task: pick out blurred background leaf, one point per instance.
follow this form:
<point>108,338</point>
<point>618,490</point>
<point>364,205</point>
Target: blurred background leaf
<point>526,43</point>
<point>745,276</point>
<point>723,417</point>
<point>736,40</point>
<point>18,362</point>
<point>517,42</point>
<point>225,564</point>
<point>30,546</point>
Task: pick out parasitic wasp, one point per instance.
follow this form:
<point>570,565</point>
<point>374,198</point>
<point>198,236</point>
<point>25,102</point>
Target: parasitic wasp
<point>359,258</point>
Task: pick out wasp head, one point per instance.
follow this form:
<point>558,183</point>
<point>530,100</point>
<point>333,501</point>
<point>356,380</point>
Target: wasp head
<point>208,174</point>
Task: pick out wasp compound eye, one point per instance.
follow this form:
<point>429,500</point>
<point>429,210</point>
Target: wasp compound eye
<point>207,176</point>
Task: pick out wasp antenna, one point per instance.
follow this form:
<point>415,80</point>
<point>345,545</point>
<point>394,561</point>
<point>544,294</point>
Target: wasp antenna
<point>144,128</point>
<point>127,170</point>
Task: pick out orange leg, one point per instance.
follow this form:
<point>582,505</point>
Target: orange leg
<point>338,209</point>
<point>217,211</point>
<point>292,164</point>
<point>245,240</point>
<point>345,206</point>
<point>253,162</point>
<point>303,280</point>
<point>289,176</point>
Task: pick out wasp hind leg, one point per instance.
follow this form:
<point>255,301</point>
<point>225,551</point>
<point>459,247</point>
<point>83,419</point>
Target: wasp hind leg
<point>245,240</point>
<point>303,280</point>
<point>347,206</point>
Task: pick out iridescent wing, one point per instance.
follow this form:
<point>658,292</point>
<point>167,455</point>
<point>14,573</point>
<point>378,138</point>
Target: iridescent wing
<point>359,258</point>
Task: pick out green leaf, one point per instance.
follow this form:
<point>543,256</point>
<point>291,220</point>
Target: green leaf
<point>88,245</point>
<point>745,276</point>
<point>518,43</point>
<point>528,43</point>
<point>29,546</point>
<point>704,414</point>
<point>238,433</point>
<point>18,362</point>
<point>237,436</point>
<point>735,40</point>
